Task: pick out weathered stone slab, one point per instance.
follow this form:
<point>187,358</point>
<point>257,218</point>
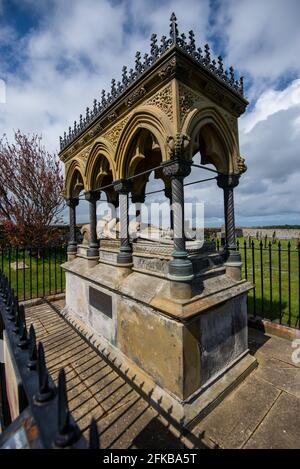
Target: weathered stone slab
<point>280,429</point>
<point>282,375</point>
<point>234,420</point>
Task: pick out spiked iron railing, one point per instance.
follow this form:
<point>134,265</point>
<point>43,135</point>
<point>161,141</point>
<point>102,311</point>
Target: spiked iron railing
<point>188,46</point>
<point>48,403</point>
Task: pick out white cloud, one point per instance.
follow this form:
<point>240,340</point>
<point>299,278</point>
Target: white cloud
<point>76,48</point>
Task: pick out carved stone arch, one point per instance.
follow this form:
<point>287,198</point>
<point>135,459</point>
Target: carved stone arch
<point>74,180</point>
<point>210,134</point>
<point>144,118</point>
<point>100,164</point>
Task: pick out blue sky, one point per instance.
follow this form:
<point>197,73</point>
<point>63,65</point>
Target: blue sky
<point>57,55</point>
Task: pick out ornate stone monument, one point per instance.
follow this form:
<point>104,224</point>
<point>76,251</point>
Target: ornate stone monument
<point>171,315</point>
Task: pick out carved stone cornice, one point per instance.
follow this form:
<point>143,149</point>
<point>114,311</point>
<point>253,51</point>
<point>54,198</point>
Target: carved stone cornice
<point>135,96</point>
<point>163,100</point>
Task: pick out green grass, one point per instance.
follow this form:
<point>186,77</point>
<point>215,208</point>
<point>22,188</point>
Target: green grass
<point>43,276</point>
<point>273,298</point>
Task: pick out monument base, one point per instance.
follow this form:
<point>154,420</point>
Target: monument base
<point>184,354</point>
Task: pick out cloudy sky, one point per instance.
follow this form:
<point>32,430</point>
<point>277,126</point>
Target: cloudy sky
<point>57,55</point>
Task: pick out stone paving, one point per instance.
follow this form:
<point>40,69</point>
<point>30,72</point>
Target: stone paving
<point>263,412</point>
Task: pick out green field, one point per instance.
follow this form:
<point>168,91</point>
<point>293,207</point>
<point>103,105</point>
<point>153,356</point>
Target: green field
<point>43,275</point>
<point>276,277</point>
<point>276,296</point>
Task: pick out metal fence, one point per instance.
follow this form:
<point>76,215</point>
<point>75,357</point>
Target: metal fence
<point>274,269</point>
<point>34,272</point>
<point>33,410</point>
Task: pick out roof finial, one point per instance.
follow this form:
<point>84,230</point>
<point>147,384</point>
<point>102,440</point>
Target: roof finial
<point>173,28</point>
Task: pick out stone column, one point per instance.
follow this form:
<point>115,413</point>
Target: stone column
<point>92,197</point>
<point>72,203</point>
<point>168,194</point>
<point>180,267</point>
<point>123,187</point>
<point>233,257</point>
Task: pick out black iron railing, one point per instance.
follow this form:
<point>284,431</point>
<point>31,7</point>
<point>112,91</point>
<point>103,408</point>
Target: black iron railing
<point>34,272</point>
<point>42,408</point>
<point>274,268</point>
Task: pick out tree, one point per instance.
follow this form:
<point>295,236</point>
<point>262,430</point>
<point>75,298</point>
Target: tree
<point>31,184</point>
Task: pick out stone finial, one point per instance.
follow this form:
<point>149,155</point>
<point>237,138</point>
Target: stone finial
<point>231,75</point>
<point>207,54</point>
<point>113,91</point>
<point>103,98</point>
<point>124,76</point>
<point>138,63</point>
<point>220,65</point>
<point>192,44</point>
<point>173,29</point>
<point>154,47</point>
<point>242,167</point>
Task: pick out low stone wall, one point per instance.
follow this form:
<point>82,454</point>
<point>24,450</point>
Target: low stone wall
<point>280,233</point>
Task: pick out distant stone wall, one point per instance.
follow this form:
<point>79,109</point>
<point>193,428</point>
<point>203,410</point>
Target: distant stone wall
<point>280,233</point>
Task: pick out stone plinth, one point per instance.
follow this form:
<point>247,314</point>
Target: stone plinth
<point>184,354</point>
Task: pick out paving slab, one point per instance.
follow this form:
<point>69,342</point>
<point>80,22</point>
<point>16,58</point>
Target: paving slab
<point>281,427</point>
<point>280,374</point>
<point>235,419</point>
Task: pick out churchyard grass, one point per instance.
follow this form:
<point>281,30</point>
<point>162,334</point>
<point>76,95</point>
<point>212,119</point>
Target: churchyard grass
<point>42,274</point>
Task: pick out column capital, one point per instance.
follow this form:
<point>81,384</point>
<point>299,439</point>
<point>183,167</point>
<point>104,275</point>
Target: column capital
<point>177,169</point>
<point>123,186</point>
<point>228,181</point>
<point>72,202</point>
<point>92,196</point>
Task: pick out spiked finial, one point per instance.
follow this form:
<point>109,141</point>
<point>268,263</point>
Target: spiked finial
<point>80,121</point>
<point>113,88</point>
<point>95,107</point>
<point>231,74</point>
<point>103,99</point>
<point>124,76</point>
<point>68,432</point>
<point>192,44</point>
<point>173,29</point>
<point>207,54</point>
<point>87,114</point>
<point>17,321</point>
<point>94,435</point>
<point>32,349</point>
<point>70,132</point>
<point>220,65</point>
<point>138,63</point>
<point>23,342</point>
<point>242,85</point>
<point>45,391</point>
<point>164,44</point>
<point>154,46</point>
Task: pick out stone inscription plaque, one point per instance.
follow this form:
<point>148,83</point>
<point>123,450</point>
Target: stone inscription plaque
<point>100,301</point>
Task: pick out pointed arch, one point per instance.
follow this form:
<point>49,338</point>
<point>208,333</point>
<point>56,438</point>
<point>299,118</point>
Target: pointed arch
<point>100,164</point>
<point>74,180</point>
<point>211,135</point>
<point>147,119</point>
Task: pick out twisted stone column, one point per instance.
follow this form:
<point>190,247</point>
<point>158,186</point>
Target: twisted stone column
<point>168,194</point>
<point>72,203</point>
<point>92,197</point>
<point>123,187</point>
<point>228,183</point>
<point>180,267</point>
